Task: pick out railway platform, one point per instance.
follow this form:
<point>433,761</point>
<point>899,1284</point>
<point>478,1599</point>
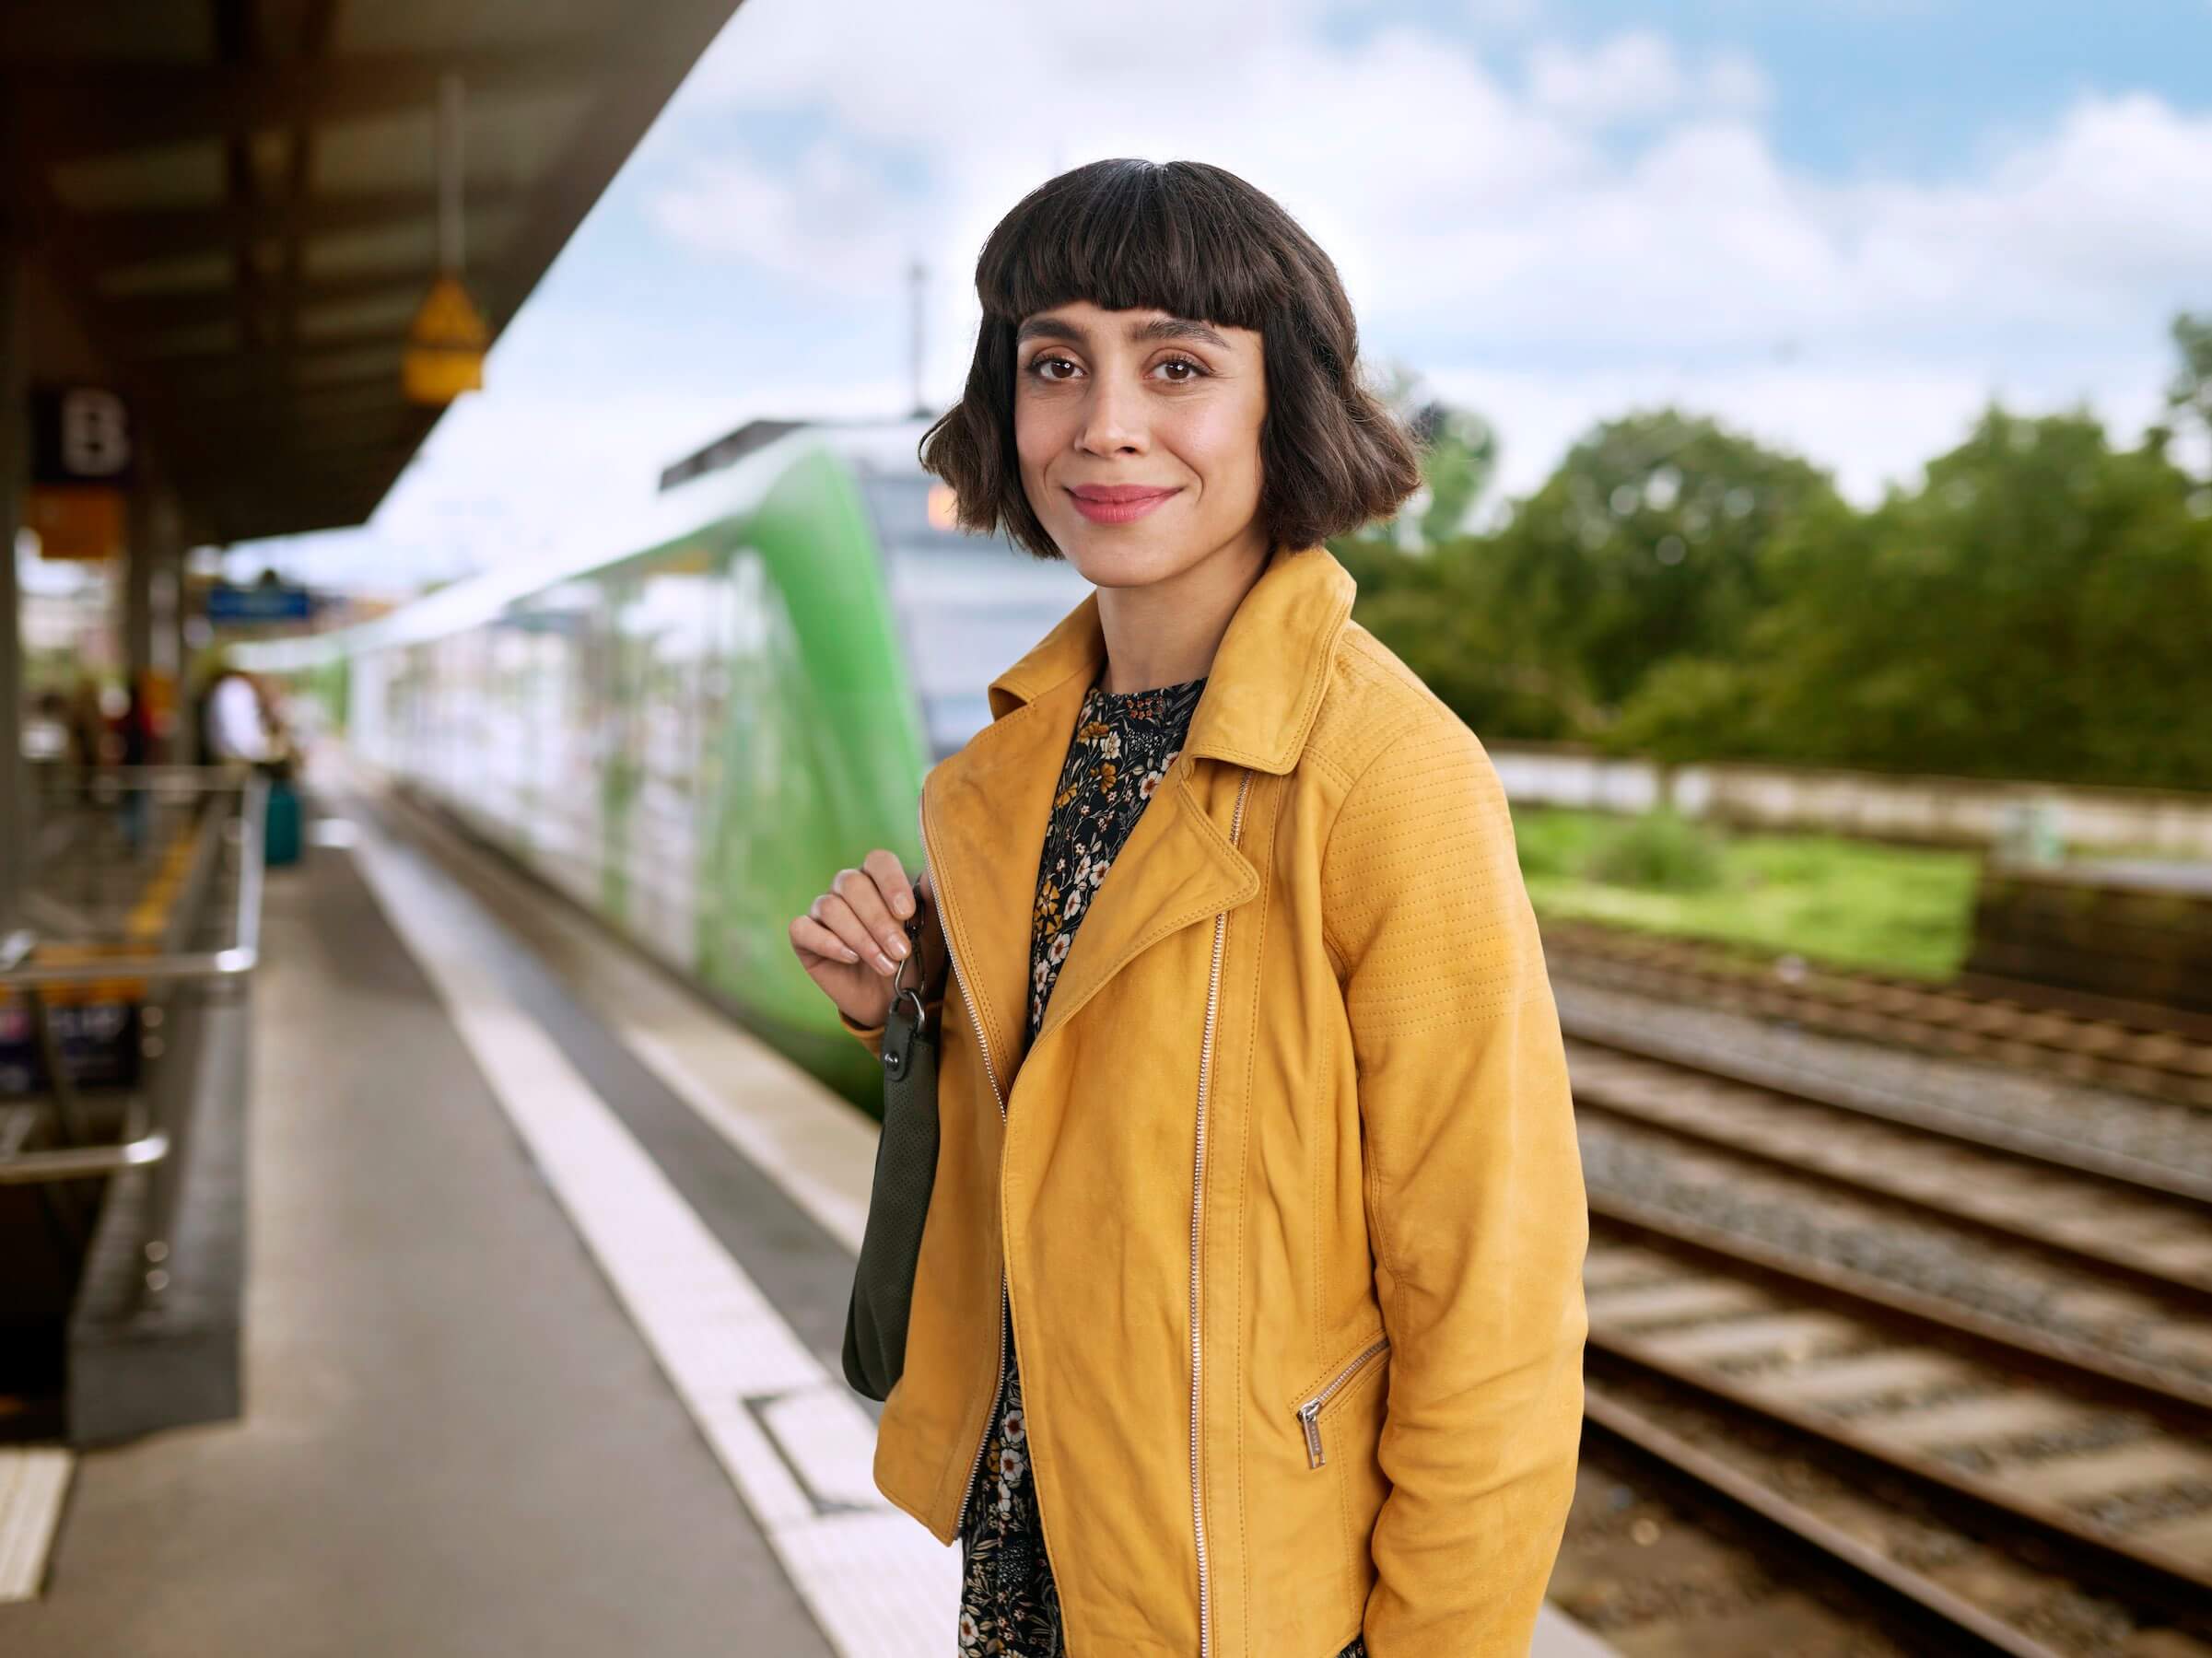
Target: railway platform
<point>548,1263</point>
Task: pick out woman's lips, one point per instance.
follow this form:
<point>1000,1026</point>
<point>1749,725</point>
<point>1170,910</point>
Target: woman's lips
<point>1121,504</point>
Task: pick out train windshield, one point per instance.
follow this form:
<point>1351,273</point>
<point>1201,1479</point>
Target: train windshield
<point>968,606</point>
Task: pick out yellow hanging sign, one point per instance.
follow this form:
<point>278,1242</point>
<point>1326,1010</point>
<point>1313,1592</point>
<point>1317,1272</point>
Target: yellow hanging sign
<point>446,342</point>
<point>76,521</point>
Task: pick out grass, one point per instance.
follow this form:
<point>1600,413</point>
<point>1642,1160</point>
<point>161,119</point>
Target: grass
<point>1849,903</point>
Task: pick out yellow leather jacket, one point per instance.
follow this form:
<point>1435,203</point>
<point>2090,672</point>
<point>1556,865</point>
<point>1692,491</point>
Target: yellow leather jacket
<point>1286,1191</point>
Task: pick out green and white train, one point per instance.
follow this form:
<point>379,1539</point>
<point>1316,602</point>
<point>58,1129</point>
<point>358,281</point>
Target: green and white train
<point>690,733</point>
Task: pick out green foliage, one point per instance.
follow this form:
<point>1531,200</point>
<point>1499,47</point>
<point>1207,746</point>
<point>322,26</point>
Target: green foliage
<point>1660,851</point>
<point>2189,393</point>
<point>1855,904</point>
<point>2039,605</point>
<point>2036,609</point>
<point>1554,842</point>
<point>1458,452</point>
<point>1642,546</point>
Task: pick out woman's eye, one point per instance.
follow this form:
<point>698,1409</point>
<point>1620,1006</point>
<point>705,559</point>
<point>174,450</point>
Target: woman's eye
<point>1042,367</point>
<point>1191,370</point>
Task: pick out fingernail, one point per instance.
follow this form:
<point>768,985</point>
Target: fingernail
<point>899,947</point>
<point>883,962</point>
<point>902,905</point>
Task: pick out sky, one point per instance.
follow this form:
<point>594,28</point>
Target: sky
<point>1840,226</point>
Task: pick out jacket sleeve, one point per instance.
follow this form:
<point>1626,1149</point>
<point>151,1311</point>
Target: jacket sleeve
<point>1476,1207</point>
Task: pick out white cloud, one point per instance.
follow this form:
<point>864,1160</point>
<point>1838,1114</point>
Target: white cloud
<point>828,220</point>
<point>1554,234</point>
<point>1490,221</point>
<point>1458,206</point>
<point>1638,77</point>
<point>1504,17</point>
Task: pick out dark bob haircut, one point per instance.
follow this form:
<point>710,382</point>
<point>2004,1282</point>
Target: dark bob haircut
<point>1197,242</point>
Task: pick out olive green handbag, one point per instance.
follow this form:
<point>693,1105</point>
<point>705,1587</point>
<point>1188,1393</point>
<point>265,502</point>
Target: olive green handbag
<point>899,1203</point>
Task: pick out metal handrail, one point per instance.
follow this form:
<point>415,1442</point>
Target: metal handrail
<point>85,1162</point>
<point>233,961</point>
<point>144,1151</point>
<point>206,778</point>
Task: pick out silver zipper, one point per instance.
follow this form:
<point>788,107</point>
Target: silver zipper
<point>1309,1413</point>
<point>990,1074</point>
<point>998,1390</point>
<point>1197,1197</point>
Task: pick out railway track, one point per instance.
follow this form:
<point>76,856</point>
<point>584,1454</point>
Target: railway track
<point>2150,1228</point>
<point>1954,1363</point>
<point>2163,1054</point>
<point>1658,1566</point>
<point>1986,1499</point>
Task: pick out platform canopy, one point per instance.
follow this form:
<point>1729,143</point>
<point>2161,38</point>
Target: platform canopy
<point>236,203</point>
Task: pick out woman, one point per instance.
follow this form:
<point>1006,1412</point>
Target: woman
<point>1248,1317</point>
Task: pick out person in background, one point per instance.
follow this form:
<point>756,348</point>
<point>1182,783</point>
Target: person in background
<point>239,729</point>
<point>136,731</point>
<point>278,720</point>
<point>233,723</point>
<point>87,726</point>
<point>46,735</point>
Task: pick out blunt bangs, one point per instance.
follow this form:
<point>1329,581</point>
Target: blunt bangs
<point>1133,236</point>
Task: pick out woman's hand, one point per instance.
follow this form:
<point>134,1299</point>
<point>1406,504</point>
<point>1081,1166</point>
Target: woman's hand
<point>852,939</point>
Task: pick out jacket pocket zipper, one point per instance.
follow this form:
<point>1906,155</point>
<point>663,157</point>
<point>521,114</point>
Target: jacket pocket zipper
<point>1309,1413</point>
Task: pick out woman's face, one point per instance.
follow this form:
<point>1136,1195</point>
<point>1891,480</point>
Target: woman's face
<point>1139,438</point>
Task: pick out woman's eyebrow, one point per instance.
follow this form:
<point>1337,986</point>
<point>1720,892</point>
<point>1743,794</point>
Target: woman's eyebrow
<point>1176,328</point>
<point>1049,327</point>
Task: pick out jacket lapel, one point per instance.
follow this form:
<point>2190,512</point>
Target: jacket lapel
<point>984,809</point>
<point>984,812</point>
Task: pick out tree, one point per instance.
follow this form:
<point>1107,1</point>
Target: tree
<point>1458,453</point>
<point>2190,392</point>
<point>2033,609</point>
<point>1645,545</point>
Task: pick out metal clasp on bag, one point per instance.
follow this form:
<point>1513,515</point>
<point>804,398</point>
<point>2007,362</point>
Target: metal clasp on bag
<point>896,1043</point>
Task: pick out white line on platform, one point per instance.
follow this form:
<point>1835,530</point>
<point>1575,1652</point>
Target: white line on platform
<point>33,1481</point>
<point>878,1584</point>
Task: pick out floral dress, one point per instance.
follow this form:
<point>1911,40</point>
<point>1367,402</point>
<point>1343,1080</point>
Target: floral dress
<point>1123,745</point>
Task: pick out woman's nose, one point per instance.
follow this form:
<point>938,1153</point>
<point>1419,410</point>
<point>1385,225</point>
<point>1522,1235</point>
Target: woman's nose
<point>1113,419</point>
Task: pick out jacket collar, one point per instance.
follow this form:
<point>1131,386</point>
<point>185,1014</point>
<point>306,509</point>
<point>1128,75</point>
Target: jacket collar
<point>984,809</point>
<point>1268,673</point>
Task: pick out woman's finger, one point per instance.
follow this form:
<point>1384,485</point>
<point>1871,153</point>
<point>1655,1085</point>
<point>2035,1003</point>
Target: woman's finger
<point>890,881</point>
<point>833,913</point>
<point>810,934</point>
<point>888,938</point>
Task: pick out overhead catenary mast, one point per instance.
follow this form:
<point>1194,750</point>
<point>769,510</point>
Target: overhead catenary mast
<point>917,277</point>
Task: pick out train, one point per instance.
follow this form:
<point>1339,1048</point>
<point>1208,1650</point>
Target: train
<point>689,732</point>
